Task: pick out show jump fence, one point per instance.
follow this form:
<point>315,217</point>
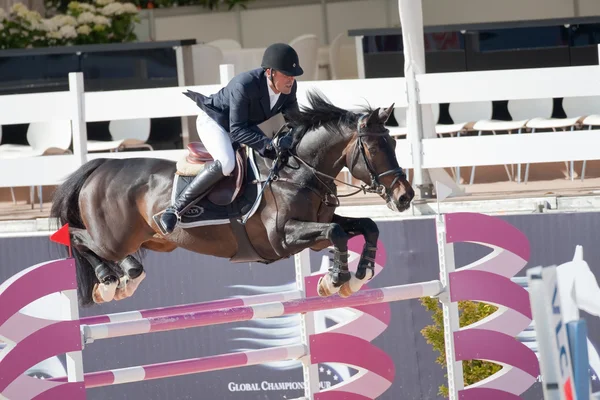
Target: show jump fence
<point>31,340</point>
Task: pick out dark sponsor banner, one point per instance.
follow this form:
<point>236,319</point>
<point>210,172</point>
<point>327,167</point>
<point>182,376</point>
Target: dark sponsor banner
<point>183,277</point>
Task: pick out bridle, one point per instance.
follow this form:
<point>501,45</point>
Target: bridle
<point>376,186</point>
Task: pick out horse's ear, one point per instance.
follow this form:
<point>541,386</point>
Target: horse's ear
<point>385,114</point>
<point>373,118</point>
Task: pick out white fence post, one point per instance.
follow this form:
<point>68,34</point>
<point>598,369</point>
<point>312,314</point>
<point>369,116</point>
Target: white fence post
<point>227,72</point>
<point>75,358</point>
<point>415,128</point>
<point>450,310</point>
<point>79,128</point>
<point>185,77</point>
<point>411,19</point>
<point>310,371</point>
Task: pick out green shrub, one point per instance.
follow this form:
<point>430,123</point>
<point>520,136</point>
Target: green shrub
<point>469,313</point>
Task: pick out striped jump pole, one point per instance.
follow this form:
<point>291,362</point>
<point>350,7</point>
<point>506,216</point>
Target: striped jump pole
<point>266,310</point>
<point>190,366</point>
<point>486,280</point>
<point>191,308</point>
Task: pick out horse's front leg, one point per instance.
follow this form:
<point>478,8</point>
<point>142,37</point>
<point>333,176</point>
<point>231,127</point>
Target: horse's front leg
<point>300,235</point>
<point>366,265</point>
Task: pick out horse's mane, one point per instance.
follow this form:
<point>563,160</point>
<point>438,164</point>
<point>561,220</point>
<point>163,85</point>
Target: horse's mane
<point>321,113</point>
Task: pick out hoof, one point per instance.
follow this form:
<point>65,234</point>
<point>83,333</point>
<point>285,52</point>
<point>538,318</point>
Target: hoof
<point>103,293</point>
<point>353,285</point>
<point>325,287</point>
<point>345,290</point>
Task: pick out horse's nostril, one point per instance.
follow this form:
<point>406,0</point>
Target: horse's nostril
<point>404,199</point>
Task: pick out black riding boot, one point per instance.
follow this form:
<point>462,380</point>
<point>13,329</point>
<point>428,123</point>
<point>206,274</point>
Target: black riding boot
<point>198,188</point>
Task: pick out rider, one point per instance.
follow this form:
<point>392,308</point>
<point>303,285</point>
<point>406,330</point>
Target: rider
<point>230,117</point>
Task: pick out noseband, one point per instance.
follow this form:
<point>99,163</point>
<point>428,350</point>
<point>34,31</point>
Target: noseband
<point>376,186</point>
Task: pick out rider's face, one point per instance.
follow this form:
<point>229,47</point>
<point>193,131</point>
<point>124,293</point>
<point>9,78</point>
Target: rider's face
<point>282,82</point>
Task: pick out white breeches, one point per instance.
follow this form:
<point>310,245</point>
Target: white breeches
<point>217,142</point>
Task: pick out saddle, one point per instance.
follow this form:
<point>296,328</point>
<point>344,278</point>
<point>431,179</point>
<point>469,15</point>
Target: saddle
<point>228,188</point>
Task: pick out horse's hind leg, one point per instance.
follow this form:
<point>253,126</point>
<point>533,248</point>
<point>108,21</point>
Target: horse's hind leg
<point>301,234</point>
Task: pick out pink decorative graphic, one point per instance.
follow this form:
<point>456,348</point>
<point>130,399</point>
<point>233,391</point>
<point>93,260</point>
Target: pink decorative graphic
<point>26,387</point>
<point>490,231</point>
<point>27,337</point>
<point>488,280</point>
<point>376,367</point>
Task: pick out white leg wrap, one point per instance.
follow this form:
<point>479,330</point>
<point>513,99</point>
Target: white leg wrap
<point>355,283</point>
<point>104,293</point>
<point>328,284</point>
<point>134,283</point>
<point>123,282</point>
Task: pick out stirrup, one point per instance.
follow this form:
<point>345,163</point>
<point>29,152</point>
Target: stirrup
<point>157,219</point>
<point>173,210</point>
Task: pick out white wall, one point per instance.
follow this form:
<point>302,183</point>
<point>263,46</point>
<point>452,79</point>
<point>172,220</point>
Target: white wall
<point>261,26</point>
<point>265,26</point>
<point>589,7</point>
<point>202,27</point>
<point>343,16</point>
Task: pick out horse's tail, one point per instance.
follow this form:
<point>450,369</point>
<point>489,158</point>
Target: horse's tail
<point>65,210</point>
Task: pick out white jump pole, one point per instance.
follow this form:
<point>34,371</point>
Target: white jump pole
<point>450,310</point>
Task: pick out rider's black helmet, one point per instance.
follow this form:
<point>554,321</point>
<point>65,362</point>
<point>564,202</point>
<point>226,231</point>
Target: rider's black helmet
<point>282,57</point>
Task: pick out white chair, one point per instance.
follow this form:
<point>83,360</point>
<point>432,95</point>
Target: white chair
<point>206,60</point>
<point>307,47</point>
<point>465,115</point>
<point>126,134</point>
<point>337,52</point>
<point>524,110</point>
<point>400,115</point>
<point>43,138</point>
<point>12,190</point>
<point>449,129</point>
<point>588,110</point>
<point>225,44</point>
<point>571,121</point>
<point>521,112</point>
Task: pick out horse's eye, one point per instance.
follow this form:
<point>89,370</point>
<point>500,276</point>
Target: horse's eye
<point>373,148</point>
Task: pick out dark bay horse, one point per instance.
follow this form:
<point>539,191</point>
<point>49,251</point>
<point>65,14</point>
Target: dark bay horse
<point>109,205</point>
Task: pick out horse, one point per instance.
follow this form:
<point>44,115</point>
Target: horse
<point>266,211</point>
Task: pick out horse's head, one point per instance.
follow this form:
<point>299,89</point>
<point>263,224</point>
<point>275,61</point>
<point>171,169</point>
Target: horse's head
<point>371,157</point>
<point>330,138</point>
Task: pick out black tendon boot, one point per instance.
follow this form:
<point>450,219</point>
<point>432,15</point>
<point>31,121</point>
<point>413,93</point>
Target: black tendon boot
<point>197,189</point>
